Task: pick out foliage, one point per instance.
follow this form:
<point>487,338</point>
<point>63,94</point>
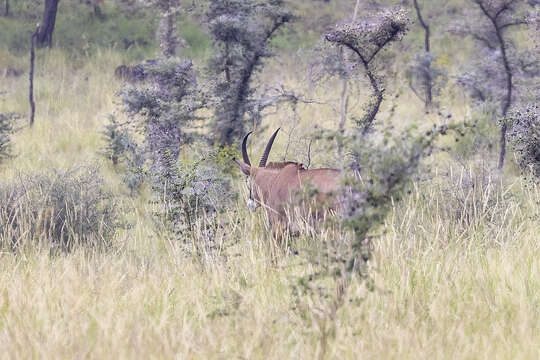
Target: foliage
<point>376,176</point>
<point>190,195</point>
<point>224,156</point>
<point>379,173</point>
<point>165,106</point>
<point>370,34</point>
<point>241,30</point>
<point>525,137</point>
<point>116,139</point>
<point>122,149</point>
<point>62,209</point>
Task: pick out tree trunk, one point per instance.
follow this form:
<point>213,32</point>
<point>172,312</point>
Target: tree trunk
<point>427,33</point>
<point>6,12</point>
<point>31,76</point>
<point>44,37</point>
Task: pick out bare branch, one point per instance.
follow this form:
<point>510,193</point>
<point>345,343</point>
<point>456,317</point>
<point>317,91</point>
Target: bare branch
<point>514,23</point>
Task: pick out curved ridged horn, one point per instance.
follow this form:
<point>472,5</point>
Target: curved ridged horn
<point>267,150</point>
<point>244,150</point>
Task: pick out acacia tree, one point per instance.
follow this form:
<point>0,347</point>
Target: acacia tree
<point>335,62</point>
<point>493,78</point>
<point>46,29</point>
<point>366,38</point>
<point>242,30</point>
<point>423,76</point>
<point>376,174</point>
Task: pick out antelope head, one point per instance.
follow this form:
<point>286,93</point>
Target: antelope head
<point>254,174</point>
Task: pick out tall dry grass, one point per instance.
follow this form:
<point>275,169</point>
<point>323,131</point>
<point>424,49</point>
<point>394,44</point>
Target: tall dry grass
<point>456,267</point>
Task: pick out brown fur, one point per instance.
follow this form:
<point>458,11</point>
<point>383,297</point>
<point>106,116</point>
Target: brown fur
<point>287,189</point>
<point>281,165</point>
<point>279,189</point>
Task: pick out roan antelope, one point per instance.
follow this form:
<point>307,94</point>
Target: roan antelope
<point>280,187</point>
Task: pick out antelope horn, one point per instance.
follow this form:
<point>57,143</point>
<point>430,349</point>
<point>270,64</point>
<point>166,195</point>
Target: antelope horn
<point>244,150</point>
<point>267,150</point>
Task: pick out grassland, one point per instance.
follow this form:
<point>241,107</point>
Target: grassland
<point>456,265</point>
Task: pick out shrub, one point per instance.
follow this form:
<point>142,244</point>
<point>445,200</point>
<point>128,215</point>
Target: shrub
<point>117,140</point>
<point>122,150</point>
<point>164,106</point>
<point>471,198</point>
<point>525,138</point>
<point>190,194</point>
<point>379,172</point>
<point>61,209</point>
<point>6,130</point>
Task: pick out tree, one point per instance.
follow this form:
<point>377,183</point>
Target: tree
<point>336,62</point>
<point>376,174</point>
<point>46,29</point>
<point>6,9</point>
<point>422,74</point>
<point>366,38</point>
<point>242,30</point>
<point>497,70</point>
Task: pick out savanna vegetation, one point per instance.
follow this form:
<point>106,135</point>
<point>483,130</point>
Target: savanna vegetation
<point>124,230</point>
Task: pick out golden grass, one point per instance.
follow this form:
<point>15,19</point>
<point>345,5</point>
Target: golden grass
<point>444,289</point>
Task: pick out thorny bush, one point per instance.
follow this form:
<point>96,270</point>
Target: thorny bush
<point>188,192</point>
<point>189,196</point>
<point>60,210</point>
<point>6,131</point>
<point>525,138</point>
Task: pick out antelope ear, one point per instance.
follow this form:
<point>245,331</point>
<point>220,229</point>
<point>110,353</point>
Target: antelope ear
<point>246,169</point>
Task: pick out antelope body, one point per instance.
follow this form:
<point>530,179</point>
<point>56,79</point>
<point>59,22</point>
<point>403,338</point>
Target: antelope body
<point>281,188</point>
